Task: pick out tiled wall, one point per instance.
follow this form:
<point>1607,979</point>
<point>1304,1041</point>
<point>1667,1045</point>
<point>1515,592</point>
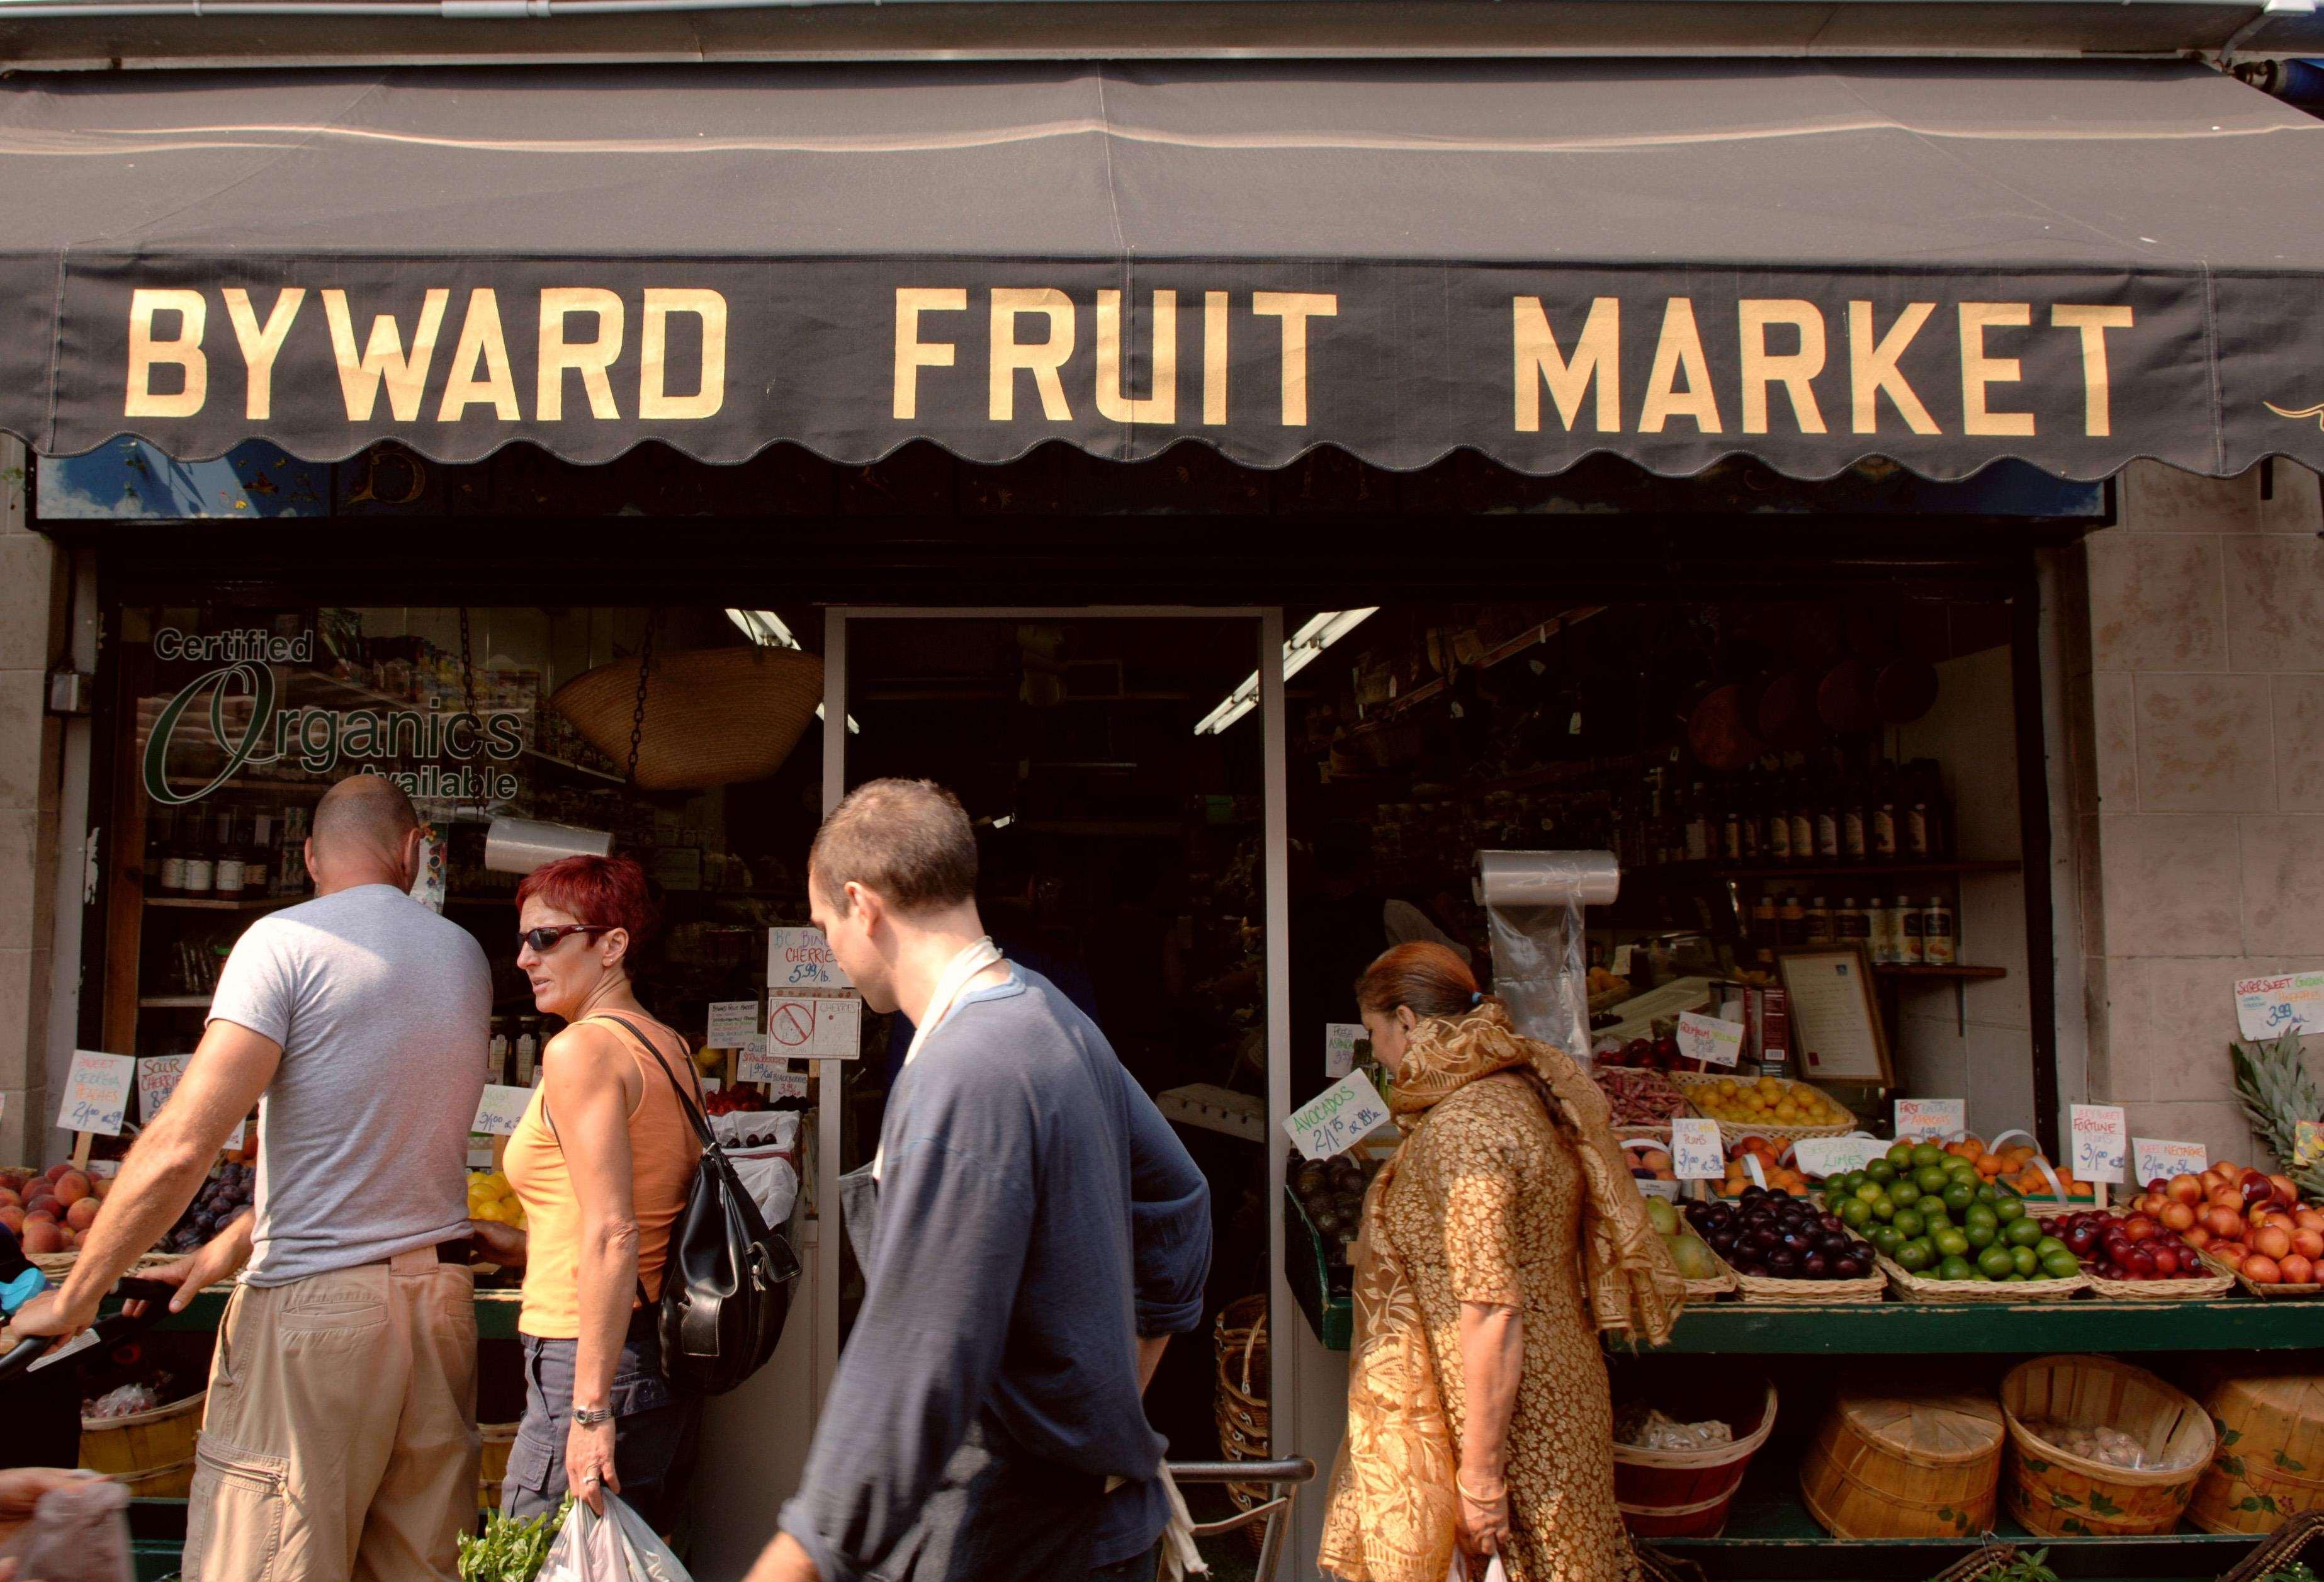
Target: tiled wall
<point>31,624</point>
<point>2193,638</point>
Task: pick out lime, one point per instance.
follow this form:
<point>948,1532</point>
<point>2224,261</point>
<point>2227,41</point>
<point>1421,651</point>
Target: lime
<point>1926,1154</point>
<point>2049,1244</point>
<point>1986,1194</point>
<point>1884,1207</point>
<point>1959,1195</point>
<point>2060,1264</point>
<point>1955,1165</point>
<point>1908,1222</point>
<point>1856,1214</point>
<point>1904,1193</point>
<point>1980,1216</point>
<point>1951,1243</point>
<point>2008,1210</point>
<point>1915,1255</point>
<point>1994,1263</point>
<point>2023,1233</point>
<point>1955,1269</point>
<point>1900,1154</point>
<point>1870,1192</point>
<point>1932,1212</point>
<point>1887,1238</point>
<point>2012,1278</point>
<point>1881,1170</point>
<point>1851,1182</point>
<point>2025,1262</point>
<point>1929,1178</point>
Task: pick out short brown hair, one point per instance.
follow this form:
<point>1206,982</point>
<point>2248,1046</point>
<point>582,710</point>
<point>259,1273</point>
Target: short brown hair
<point>908,839</point>
<point>1424,975</point>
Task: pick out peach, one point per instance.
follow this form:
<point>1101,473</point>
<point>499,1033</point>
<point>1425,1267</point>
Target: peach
<point>9,1200</point>
<point>71,1187</point>
<point>2262,1269</point>
<point>2184,1189</point>
<point>2178,1215</point>
<point>80,1216</point>
<point>2298,1270</point>
<point>101,1186</point>
<point>44,1235</point>
<point>13,1181</point>
<point>57,1172</point>
<point>14,1218</point>
<point>2271,1242</point>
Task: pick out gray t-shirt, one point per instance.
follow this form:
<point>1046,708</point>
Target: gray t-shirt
<point>382,1010</point>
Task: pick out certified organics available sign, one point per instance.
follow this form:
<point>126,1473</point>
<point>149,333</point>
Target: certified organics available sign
<point>318,740</point>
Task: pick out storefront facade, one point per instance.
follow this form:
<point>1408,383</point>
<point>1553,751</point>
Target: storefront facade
<point>1117,417</point>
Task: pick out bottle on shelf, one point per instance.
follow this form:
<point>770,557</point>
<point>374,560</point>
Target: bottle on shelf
<point>1754,814</point>
<point>1778,845</point>
<point>1731,822</point>
<point>527,1048</point>
<point>165,865</point>
<point>1791,921</point>
<point>1882,944</point>
<point>1851,923</point>
<point>1852,835</point>
<point>1763,920</point>
<point>201,866</point>
<point>496,1052</point>
<point>1916,831</point>
<point>1912,928</point>
<point>1802,815</point>
<point>1827,824</point>
<point>290,872</point>
<point>1937,933</point>
<point>1698,837</point>
<point>258,856</point>
<point>228,866</point>
<point>1817,920</point>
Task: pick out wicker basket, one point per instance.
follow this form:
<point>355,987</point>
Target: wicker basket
<point>1889,1464</point>
<point>1988,1560</point>
<point>2187,1289</point>
<point>1731,1132</point>
<point>2278,1291</point>
<point>1239,1344</point>
<point>150,1453</point>
<point>713,717</point>
<point>2057,1493</point>
<point>1759,1287</point>
<point>2270,1465</point>
<point>2293,1540</point>
<point>1685,1494</point>
<point>1919,1288</point>
<point>492,1467</point>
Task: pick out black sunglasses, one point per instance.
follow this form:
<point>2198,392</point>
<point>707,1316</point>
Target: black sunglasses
<point>543,939</point>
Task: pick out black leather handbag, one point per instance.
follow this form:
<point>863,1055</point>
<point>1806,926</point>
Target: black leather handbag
<point>727,1287</point>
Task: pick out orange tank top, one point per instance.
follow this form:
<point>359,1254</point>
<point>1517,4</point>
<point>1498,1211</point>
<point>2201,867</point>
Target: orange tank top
<point>664,1154</point>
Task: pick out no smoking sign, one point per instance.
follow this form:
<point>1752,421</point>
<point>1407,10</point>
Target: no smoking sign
<point>815,1028</point>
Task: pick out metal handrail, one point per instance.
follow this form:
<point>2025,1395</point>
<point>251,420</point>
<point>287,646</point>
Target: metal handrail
<point>1275,1512</point>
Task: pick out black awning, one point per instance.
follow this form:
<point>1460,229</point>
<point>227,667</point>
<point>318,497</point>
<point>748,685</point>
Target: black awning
<point>1942,264</point>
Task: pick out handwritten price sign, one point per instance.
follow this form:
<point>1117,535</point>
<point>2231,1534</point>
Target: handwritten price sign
<point>1696,1155</point>
<point>731,1021</point>
<point>2159,1159</point>
<point>157,1079</point>
<point>501,1108</point>
<point>1824,1157</point>
<point>2266,1007</point>
<point>1340,1041</point>
<point>1708,1038</point>
<point>801,958</point>
<point>2101,1141</point>
<point>1336,1119</point>
<point>1924,1119</point>
<point>97,1092</point>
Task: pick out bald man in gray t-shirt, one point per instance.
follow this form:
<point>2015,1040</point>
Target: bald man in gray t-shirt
<point>339,1437</point>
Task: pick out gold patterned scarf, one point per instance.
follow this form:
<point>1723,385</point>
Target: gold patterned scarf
<point>1394,1511</point>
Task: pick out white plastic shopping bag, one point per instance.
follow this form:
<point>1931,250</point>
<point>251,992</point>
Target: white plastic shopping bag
<point>617,1547</point>
<point>1494,1571</point>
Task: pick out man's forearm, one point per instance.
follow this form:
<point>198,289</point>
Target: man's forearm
<point>157,1180</point>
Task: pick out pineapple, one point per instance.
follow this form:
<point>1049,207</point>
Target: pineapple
<point>2277,1094</point>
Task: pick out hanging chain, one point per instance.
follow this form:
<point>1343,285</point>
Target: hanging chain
<point>468,698</point>
<point>638,716</point>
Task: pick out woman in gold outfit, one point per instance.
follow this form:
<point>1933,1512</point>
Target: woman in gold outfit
<point>1503,1236</point>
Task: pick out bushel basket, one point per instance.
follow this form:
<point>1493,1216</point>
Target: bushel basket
<point>713,715</point>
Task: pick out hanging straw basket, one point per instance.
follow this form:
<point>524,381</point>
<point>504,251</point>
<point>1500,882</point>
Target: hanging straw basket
<point>713,716</point>
<point>1239,1342</point>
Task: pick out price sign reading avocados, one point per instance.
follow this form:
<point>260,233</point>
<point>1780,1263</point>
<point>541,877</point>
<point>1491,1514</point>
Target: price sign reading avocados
<point>1696,1155</point>
<point>97,1092</point>
<point>2101,1141</point>
<point>1336,1119</point>
<point>1708,1038</point>
<point>1933,1120</point>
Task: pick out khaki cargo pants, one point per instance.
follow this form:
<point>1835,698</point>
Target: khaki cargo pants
<point>339,1442</point>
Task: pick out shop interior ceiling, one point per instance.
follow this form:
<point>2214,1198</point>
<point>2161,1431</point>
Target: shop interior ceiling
<point>1056,527</point>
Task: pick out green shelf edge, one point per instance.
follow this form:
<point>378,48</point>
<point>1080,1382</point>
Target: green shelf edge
<point>1994,1328</point>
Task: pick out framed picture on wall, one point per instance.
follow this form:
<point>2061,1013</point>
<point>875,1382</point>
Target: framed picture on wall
<point>1836,1031</point>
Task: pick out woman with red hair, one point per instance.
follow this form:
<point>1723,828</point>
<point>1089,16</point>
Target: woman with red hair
<point>1503,1235</point>
<point>602,1161</point>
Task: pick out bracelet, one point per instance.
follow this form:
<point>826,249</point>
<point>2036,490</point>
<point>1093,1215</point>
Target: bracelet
<point>583,1417</point>
<point>1474,1498</point>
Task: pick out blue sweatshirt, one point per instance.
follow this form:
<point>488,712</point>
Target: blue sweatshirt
<point>1036,1216</point>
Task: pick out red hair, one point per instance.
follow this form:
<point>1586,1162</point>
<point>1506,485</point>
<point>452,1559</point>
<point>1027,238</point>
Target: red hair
<point>1424,975</point>
<point>609,891</point>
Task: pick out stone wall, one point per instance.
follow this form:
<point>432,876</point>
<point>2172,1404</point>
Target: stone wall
<point>33,587</point>
<point>2193,633</point>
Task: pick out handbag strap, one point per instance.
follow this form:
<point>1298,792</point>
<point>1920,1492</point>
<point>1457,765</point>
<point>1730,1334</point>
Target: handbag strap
<point>709,1139</point>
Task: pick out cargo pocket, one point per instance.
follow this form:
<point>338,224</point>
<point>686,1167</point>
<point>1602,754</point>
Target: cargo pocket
<point>235,1514</point>
<point>525,1487</point>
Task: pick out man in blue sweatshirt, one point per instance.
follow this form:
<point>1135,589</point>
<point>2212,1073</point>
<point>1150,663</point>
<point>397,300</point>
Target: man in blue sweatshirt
<point>1031,1233</point>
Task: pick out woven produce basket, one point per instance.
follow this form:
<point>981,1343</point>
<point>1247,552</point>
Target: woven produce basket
<point>1759,1287</point>
<point>1685,1494</point>
<point>2292,1541</point>
<point>1659,1130</point>
<point>2198,1287</point>
<point>1731,1132</point>
<point>1887,1463</point>
<point>1239,1346</point>
<point>492,1467</point>
<point>1919,1288</point>
<point>2057,1493</point>
<point>1988,1561</point>
<point>713,716</point>
<point>2278,1291</point>
<point>149,1453</point>
<point>2271,1462</point>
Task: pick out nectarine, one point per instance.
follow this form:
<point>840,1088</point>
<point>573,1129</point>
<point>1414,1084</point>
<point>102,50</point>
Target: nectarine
<point>2298,1270</point>
<point>81,1214</point>
<point>2178,1215</point>
<point>44,1235</point>
<point>71,1187</point>
<point>2261,1270</point>
<point>2271,1242</point>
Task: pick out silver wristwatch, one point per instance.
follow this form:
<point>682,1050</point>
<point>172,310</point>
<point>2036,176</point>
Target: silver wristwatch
<point>588,1419</point>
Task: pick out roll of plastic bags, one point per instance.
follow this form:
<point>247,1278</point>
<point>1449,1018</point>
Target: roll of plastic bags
<point>1534,902</point>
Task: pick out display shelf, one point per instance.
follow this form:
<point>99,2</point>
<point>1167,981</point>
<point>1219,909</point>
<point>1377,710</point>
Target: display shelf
<point>173,1002</point>
<point>212,904</point>
<point>1719,872</point>
<point>1959,969</point>
<point>1771,1536</point>
<point>1991,1329</point>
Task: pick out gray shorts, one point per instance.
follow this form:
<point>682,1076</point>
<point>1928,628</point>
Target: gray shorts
<point>654,1429</point>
